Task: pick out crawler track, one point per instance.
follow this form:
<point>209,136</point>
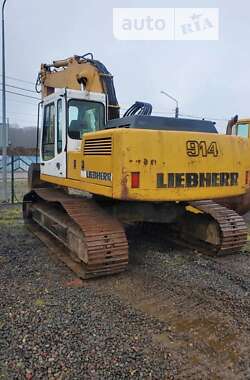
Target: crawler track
<point>232,226</point>
<point>215,230</point>
<point>94,239</point>
<point>94,243</point>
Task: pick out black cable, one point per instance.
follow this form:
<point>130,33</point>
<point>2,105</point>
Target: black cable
<point>18,88</point>
<point>38,83</point>
<point>17,93</point>
<point>18,79</point>
<point>108,84</point>
<point>139,108</point>
<point>86,55</point>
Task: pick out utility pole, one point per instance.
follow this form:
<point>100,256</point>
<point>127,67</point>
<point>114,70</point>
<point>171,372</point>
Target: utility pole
<point>176,102</point>
<point>4,126</point>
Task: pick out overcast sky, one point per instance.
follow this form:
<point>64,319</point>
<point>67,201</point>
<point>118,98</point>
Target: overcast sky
<point>210,78</point>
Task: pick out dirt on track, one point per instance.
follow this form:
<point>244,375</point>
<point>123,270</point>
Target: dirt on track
<point>173,315</point>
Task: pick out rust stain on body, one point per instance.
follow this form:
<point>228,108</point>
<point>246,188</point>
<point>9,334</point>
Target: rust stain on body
<point>124,186</point>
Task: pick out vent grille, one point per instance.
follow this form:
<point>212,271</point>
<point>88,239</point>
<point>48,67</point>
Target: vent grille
<point>98,147</point>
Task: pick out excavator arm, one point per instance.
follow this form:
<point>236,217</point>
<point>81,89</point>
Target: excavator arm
<point>79,72</point>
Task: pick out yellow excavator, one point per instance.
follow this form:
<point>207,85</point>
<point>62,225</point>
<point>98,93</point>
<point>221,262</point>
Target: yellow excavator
<point>98,172</point>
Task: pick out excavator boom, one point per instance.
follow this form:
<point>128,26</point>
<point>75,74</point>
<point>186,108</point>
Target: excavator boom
<point>77,73</point>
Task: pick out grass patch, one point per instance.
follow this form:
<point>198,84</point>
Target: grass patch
<point>20,188</point>
<point>9,215</point>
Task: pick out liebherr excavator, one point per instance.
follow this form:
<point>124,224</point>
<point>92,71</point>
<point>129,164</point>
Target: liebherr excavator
<point>135,168</point>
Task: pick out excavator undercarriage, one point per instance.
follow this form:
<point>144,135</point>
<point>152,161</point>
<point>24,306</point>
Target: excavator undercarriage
<point>215,230</point>
<point>93,243</point>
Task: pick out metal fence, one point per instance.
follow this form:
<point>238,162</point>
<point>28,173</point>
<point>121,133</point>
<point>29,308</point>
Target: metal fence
<point>17,178</point>
<point>18,163</point>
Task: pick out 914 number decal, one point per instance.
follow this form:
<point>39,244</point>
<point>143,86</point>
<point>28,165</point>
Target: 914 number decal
<point>201,148</point>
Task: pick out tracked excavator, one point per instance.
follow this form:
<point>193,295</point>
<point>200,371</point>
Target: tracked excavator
<point>99,172</point>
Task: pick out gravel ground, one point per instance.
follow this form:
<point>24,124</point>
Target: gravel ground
<point>173,315</point>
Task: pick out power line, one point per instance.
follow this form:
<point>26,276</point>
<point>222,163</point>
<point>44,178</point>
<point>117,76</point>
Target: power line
<point>23,120</point>
<point>20,80</point>
<point>19,88</point>
<point>162,112</point>
<point>22,102</point>
<point>204,117</point>
<point>17,93</point>
<point>122,108</point>
<point>21,113</point>
<point>157,111</point>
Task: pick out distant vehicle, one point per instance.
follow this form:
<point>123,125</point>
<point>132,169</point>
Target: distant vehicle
<point>240,203</point>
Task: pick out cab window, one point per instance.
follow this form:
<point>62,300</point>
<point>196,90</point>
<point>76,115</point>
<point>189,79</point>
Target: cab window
<point>243,130</point>
<point>84,116</point>
<point>48,140</point>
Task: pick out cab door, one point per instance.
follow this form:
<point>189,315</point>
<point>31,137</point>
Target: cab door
<point>53,137</point>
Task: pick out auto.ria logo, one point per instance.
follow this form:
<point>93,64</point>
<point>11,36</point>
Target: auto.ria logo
<point>166,23</point>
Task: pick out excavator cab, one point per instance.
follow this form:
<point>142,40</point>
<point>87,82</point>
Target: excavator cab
<point>67,116</point>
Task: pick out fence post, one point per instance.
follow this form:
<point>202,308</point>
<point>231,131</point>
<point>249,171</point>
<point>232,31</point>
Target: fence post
<point>12,180</point>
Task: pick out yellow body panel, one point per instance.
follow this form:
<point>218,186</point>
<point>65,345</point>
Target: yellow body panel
<point>78,185</point>
<point>172,165</point>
